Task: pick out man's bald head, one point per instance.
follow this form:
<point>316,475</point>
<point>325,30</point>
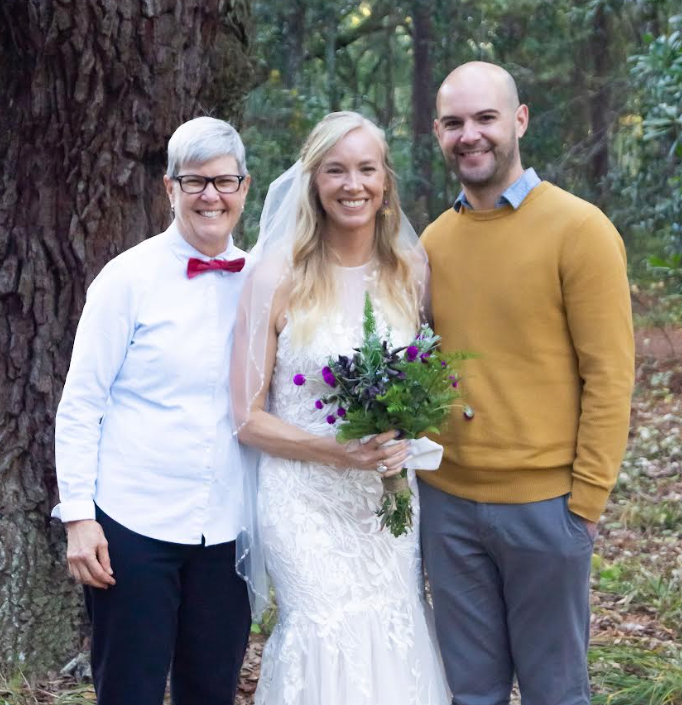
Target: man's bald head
<point>484,75</point>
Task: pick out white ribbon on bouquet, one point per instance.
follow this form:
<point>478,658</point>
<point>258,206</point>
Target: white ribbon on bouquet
<point>425,454</point>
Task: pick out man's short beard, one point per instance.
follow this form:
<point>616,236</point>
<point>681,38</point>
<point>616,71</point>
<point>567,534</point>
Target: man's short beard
<point>503,165</point>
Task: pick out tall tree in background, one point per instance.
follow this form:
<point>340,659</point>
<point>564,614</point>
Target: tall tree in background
<point>293,40</point>
<point>600,102</point>
<point>387,110</point>
<point>92,90</point>
<point>422,112</point>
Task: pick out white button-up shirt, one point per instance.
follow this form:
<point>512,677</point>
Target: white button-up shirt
<point>144,427</point>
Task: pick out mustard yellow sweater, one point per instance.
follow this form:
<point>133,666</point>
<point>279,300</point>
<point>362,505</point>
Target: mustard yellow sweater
<point>541,294</point>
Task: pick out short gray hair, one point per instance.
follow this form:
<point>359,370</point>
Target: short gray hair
<point>202,139</point>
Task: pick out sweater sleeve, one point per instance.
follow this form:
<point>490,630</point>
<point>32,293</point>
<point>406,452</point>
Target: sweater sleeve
<point>597,303</point>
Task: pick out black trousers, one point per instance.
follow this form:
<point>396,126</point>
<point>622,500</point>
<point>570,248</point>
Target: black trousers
<point>174,607</point>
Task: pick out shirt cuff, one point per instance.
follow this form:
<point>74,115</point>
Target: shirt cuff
<point>76,510</point>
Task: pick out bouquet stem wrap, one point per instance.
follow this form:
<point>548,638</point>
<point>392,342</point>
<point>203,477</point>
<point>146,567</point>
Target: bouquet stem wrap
<point>396,483</point>
<point>395,506</point>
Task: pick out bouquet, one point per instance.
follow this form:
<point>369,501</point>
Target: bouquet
<point>411,389</point>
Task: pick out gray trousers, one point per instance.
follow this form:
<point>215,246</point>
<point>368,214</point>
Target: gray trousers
<point>510,586</point>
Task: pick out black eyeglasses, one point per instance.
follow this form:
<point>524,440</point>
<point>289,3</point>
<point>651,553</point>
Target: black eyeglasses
<point>193,183</point>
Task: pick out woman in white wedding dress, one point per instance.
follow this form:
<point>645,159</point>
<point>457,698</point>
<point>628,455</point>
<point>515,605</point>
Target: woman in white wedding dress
<point>352,623</point>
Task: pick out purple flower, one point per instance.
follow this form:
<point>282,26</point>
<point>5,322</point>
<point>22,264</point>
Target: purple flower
<point>328,376</point>
<point>299,380</point>
<point>455,384</point>
<point>468,413</point>
<point>412,352</point>
<point>424,356</point>
<point>318,404</point>
<point>331,419</point>
<point>443,363</point>
<point>455,381</point>
<point>341,412</point>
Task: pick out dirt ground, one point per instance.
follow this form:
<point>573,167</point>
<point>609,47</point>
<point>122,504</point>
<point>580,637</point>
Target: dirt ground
<point>660,343</point>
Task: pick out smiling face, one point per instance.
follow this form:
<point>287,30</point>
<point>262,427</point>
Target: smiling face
<point>478,128</point>
<point>206,219</point>
<point>350,182</point>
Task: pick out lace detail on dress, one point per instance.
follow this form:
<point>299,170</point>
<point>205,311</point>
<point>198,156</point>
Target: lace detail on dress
<point>352,626</point>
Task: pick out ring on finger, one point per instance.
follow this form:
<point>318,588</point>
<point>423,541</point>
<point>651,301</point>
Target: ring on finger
<point>382,468</point>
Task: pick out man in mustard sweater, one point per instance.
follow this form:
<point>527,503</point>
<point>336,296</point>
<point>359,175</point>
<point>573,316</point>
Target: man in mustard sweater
<point>534,280</point>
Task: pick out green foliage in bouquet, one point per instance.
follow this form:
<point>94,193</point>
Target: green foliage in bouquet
<point>411,389</point>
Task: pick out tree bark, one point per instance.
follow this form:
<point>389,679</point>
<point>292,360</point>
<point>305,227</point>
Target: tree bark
<point>600,104</point>
<point>422,113</point>
<point>388,112</point>
<point>91,91</point>
<point>293,40</point>
<point>330,62</point>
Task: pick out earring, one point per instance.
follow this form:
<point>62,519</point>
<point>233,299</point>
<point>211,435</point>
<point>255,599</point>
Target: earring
<point>385,210</point>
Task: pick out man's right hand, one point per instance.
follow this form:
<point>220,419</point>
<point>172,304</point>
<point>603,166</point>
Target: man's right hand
<point>87,554</point>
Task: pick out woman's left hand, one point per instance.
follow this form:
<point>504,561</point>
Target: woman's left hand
<point>375,454</point>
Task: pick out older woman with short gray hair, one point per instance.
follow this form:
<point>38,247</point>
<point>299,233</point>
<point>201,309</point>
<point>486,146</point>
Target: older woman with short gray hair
<point>149,473</point>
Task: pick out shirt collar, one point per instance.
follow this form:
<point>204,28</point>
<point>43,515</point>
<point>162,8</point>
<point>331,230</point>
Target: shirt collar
<point>183,250</point>
<point>513,195</point>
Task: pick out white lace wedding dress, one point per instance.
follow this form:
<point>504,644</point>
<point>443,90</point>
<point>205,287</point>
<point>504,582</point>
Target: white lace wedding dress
<point>352,623</point>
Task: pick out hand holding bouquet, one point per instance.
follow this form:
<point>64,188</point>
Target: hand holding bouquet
<point>411,389</point>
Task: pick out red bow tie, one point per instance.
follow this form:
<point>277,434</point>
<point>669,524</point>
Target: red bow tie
<point>197,266</point>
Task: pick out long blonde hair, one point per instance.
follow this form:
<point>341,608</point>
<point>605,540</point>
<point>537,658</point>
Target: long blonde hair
<point>313,291</point>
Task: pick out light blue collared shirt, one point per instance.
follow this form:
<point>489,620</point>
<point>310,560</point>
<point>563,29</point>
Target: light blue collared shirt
<point>512,196</point>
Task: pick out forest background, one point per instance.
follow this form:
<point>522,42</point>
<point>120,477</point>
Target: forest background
<point>92,90</point>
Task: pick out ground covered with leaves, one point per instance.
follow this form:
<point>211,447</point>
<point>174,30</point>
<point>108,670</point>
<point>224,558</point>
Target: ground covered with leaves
<point>636,655</point>
<point>636,646</point>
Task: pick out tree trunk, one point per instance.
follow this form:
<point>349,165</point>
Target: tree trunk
<point>293,40</point>
<point>330,61</point>
<point>600,104</point>
<point>389,79</point>
<point>422,113</point>
<point>91,90</point>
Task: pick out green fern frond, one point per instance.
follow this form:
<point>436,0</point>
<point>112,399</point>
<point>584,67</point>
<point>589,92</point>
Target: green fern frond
<point>369,323</point>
